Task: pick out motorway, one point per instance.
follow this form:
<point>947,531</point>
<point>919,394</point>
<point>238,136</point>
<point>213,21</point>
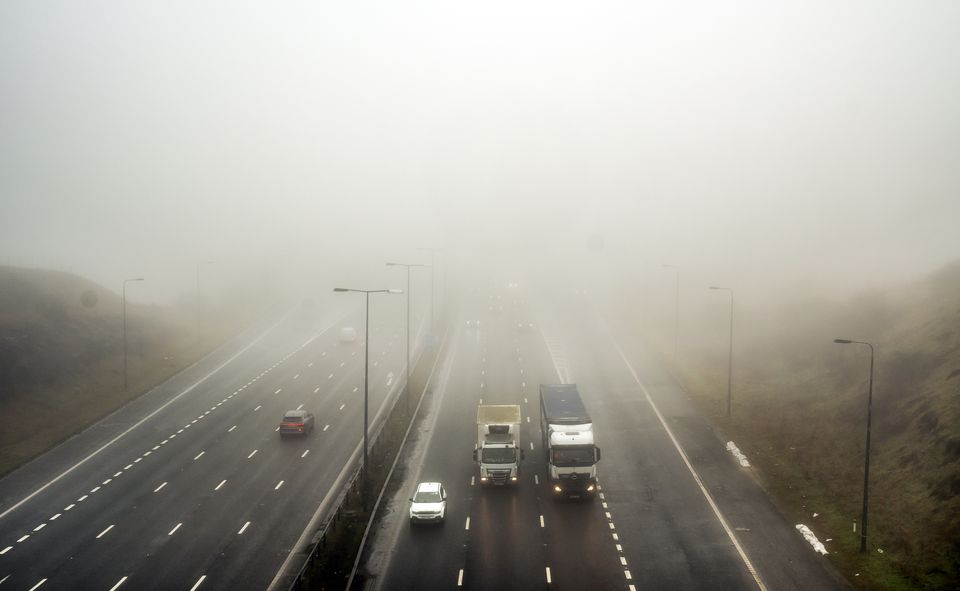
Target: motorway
<point>675,510</point>
<point>190,486</point>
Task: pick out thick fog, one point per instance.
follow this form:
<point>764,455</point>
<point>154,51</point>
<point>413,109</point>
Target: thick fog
<point>807,144</point>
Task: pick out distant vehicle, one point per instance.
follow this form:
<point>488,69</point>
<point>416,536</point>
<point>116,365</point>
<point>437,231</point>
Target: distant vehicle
<point>428,503</point>
<point>567,432</point>
<point>498,452</point>
<point>524,326</point>
<point>348,334</point>
<point>473,324</point>
<point>296,422</point>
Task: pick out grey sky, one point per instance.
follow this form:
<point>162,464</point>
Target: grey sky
<point>749,140</point>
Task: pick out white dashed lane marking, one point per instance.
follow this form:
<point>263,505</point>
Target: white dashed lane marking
<point>279,484</point>
<point>156,490</point>
<point>222,482</point>
<point>197,584</point>
<point>197,457</point>
<point>104,532</point>
<point>251,454</point>
<point>244,528</point>
<point>175,528</point>
<point>117,586</point>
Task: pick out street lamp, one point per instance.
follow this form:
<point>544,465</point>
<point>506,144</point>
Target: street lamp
<point>866,460</point>
<point>730,363</point>
<point>676,309</point>
<point>366,367</point>
<point>407,363</point>
<point>433,282</point>
<point>124,299</point>
<point>200,301</point>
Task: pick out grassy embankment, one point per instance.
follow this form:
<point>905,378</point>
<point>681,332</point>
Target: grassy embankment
<point>61,363</point>
<point>799,414</point>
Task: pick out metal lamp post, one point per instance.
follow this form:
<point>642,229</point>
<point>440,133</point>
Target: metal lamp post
<point>124,299</point>
<point>866,459</point>
<point>730,360</point>
<point>366,369</point>
<point>407,361</point>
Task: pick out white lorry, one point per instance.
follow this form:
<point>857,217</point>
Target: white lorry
<point>567,432</point>
<point>498,452</point>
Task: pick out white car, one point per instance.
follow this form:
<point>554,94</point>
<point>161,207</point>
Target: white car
<point>348,334</point>
<point>429,503</point>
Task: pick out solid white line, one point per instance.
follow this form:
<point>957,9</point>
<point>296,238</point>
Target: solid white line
<point>222,482</point>
<point>197,584</point>
<point>175,528</point>
<point>101,534</point>
<point>467,526</point>
<point>304,454</point>
<point>42,581</point>
<point>279,484</point>
<point>244,528</point>
<point>549,580</point>
<point>117,586</point>
<point>197,457</point>
<point>231,428</point>
<point>460,578</point>
<point>251,454</point>
<point>138,423</point>
<point>696,477</point>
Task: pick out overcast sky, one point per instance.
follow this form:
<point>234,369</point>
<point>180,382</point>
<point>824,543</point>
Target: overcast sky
<point>782,141</point>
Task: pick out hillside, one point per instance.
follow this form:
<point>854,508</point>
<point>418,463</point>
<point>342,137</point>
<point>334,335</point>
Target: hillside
<point>61,358</point>
<point>800,410</point>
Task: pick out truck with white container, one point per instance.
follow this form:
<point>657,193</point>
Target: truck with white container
<point>567,432</point>
<point>498,452</point>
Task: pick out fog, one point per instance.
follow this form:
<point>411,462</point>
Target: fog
<point>803,145</point>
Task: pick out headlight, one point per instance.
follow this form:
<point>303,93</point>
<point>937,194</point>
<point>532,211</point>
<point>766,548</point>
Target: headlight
<point>483,479</point>
<point>590,488</point>
<point>513,478</point>
<point>557,489</point>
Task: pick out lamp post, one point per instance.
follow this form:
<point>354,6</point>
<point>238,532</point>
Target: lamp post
<point>407,361</point>
<point>866,459</point>
<point>200,302</point>
<point>124,299</point>
<point>730,354</point>
<point>676,309</point>
<point>366,369</point>
<point>433,281</point>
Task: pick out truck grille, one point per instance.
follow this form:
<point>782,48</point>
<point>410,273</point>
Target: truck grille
<point>498,477</point>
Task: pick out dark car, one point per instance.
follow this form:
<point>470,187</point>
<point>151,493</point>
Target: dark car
<point>296,422</point>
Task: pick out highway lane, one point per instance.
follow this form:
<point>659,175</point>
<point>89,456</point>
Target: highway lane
<point>170,501</point>
<point>658,523</point>
<point>516,538</point>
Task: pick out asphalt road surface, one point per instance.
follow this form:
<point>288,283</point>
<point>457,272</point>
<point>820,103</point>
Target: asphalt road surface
<point>675,511</point>
<point>190,486</point>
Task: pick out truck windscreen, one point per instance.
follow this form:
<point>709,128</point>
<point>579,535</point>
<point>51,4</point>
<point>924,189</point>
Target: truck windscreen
<point>574,456</point>
<point>499,455</point>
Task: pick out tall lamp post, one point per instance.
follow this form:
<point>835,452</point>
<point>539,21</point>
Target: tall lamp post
<point>730,354</point>
<point>124,298</point>
<point>866,459</point>
<point>407,362</point>
<point>366,369</point>
<point>433,280</point>
<point>676,309</point>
